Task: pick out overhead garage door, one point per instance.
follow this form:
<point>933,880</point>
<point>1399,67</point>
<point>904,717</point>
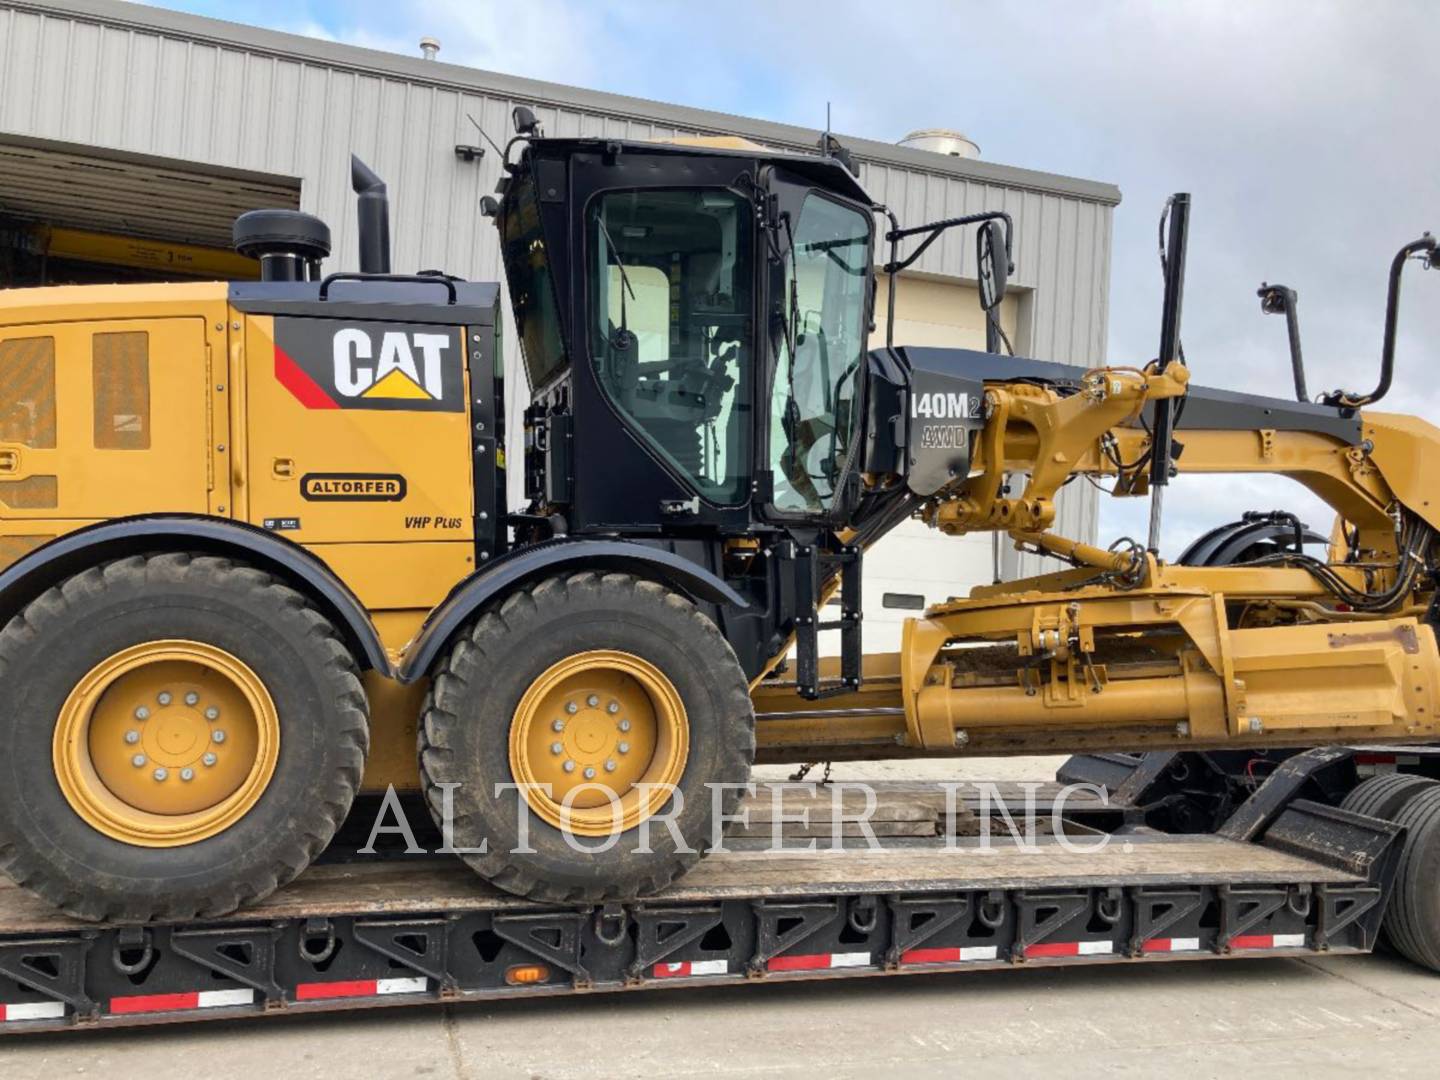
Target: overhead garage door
<point>915,565</point>
<point>64,205</point>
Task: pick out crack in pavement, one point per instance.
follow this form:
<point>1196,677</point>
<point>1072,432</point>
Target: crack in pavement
<point>1392,998</point>
<point>452,1041</point>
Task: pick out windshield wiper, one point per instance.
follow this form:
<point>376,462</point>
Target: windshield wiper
<point>622,337</point>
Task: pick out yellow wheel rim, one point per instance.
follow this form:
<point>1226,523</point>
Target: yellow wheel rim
<point>166,743</point>
<point>600,739</point>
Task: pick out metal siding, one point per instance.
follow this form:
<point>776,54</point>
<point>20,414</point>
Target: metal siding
<point>194,97</point>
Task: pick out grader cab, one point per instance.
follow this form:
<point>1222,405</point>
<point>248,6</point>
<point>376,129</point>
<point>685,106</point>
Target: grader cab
<point>259,548</point>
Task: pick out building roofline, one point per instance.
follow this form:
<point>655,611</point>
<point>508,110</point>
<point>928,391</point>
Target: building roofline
<point>533,91</point>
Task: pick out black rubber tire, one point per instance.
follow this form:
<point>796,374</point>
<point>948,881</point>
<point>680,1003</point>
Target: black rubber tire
<point>1385,796</point>
<point>1413,919</point>
<point>311,677</point>
<point>465,724</point>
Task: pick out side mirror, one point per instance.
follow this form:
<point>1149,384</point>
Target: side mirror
<point>489,206</point>
<point>525,120</point>
<point>994,264</point>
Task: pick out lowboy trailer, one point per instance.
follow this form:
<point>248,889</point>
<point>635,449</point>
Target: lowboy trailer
<point>1304,855</point>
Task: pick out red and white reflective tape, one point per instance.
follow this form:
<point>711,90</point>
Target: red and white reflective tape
<point>1171,944</point>
<point>1070,948</point>
<point>819,961</point>
<point>684,969</point>
<point>192,999</point>
<point>1268,941</point>
<point>1373,764</point>
<point>321,991</point>
<point>32,1010</point>
<point>962,954</point>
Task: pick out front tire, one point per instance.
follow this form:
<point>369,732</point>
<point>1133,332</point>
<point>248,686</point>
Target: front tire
<point>183,735</point>
<point>613,699</point>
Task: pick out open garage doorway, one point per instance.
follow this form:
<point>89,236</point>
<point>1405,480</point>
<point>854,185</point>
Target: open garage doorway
<point>80,215</point>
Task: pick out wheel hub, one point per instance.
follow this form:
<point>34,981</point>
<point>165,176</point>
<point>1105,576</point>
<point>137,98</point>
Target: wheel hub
<point>601,736</point>
<point>166,743</point>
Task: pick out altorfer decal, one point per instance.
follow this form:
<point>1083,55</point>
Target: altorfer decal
<point>352,487</point>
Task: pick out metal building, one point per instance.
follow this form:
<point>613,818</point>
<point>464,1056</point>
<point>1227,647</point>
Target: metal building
<point>131,137</point>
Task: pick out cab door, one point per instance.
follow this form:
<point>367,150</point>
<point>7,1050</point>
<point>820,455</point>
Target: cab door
<point>103,419</point>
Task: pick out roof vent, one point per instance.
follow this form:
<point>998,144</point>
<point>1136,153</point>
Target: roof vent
<point>429,46</point>
<point>942,141</point>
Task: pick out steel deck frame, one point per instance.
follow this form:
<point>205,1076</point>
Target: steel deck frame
<point>396,932</point>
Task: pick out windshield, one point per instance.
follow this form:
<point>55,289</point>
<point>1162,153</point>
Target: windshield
<point>532,293</point>
<point>812,413</point>
<point>671,278</point>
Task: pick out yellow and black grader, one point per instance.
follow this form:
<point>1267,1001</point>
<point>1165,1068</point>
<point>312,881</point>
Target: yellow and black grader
<point>258,554</point>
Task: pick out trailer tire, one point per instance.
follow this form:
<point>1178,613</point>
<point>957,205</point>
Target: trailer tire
<point>183,735</point>
<point>566,652</point>
<point>1385,796</point>
<point>1413,918</point>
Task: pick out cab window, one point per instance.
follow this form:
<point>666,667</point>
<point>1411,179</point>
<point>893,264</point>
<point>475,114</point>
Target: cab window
<point>813,411</point>
<point>671,280</point>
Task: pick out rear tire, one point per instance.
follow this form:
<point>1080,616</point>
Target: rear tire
<point>144,662</point>
<point>586,641</point>
<point>1413,918</point>
<point>1385,796</point>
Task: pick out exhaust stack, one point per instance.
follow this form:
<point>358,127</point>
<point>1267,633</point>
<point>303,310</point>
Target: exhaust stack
<point>373,209</point>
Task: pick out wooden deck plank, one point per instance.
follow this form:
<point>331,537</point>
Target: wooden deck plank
<point>443,885</point>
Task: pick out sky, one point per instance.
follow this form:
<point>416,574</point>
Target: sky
<point>1302,130</point>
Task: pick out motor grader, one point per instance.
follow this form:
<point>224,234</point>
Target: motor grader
<point>258,551</point>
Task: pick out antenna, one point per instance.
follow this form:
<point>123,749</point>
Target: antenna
<point>827,129</point>
<point>486,137</point>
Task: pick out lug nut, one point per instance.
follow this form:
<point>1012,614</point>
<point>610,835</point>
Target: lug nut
<point>132,737</point>
<point>163,697</point>
<point>212,713</point>
<point>557,748</point>
<point>624,748</point>
<point>187,774</point>
<point>162,774</point>
<point>138,761</point>
<point>557,725</point>
<point>218,735</point>
<point>209,759</point>
<point>592,700</point>
<point>613,708</point>
<point>571,708</point>
<point>569,766</point>
<point>142,713</point>
<point>610,765</point>
<point>624,725</point>
<point>590,773</point>
<point>192,698</point>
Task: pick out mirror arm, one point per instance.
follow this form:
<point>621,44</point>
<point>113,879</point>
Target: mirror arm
<point>932,232</point>
<point>893,236</point>
<point>935,229</point>
<point>1281,300</point>
<point>1392,314</point>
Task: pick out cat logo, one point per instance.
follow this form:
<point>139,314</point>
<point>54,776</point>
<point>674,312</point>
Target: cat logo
<point>388,366</point>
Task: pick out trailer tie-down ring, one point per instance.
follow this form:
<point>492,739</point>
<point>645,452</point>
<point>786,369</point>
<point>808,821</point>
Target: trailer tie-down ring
<point>127,944</point>
<point>607,916</point>
<point>1109,906</point>
<point>864,914</point>
<point>991,912</point>
<point>312,930</point>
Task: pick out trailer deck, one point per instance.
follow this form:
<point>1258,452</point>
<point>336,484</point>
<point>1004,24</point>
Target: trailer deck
<point>360,931</point>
